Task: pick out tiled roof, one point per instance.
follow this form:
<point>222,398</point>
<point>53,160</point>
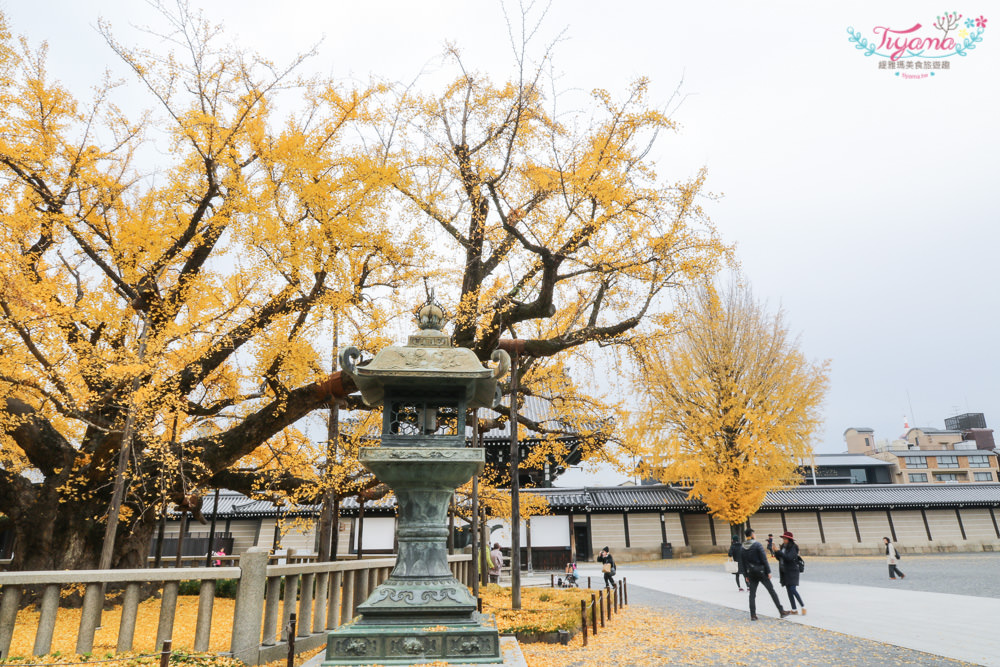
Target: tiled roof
<point>846,496</point>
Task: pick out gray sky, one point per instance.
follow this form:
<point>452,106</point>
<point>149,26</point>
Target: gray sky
<point>863,203</point>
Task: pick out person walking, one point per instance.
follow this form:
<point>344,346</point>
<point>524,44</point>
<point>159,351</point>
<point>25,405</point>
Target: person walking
<point>788,569</point>
<point>758,571</point>
<point>892,557</point>
<point>496,558</point>
<point>735,552</point>
<point>608,567</point>
<point>770,543</point>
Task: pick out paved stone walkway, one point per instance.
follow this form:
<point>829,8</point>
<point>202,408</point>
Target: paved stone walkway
<point>872,620</point>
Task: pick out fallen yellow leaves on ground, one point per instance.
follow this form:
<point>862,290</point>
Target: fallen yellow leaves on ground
<point>146,623</point>
<point>542,609</point>
<point>639,636</point>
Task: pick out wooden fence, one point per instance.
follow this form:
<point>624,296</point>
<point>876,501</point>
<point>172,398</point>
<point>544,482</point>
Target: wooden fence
<point>322,595</point>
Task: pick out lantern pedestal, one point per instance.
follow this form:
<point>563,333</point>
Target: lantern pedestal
<point>422,613</point>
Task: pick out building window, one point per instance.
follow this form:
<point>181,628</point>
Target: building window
<point>965,445</point>
<point>983,476</point>
<point>979,462</point>
<point>946,477</point>
<point>915,461</point>
<point>918,477</point>
<point>947,462</point>
<point>859,476</point>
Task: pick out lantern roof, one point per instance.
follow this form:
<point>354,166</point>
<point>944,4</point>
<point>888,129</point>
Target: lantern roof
<point>428,364</point>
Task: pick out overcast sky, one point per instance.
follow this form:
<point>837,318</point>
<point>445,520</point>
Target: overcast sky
<point>863,203</point>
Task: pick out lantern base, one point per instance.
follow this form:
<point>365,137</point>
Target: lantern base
<point>360,643</point>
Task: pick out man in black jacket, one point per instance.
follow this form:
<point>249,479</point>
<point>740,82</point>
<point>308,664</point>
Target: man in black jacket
<point>758,571</point>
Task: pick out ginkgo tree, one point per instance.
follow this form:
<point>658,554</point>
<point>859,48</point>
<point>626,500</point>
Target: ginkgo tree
<point>565,235</point>
<point>170,277</point>
<point>730,403</point>
<point>170,313</point>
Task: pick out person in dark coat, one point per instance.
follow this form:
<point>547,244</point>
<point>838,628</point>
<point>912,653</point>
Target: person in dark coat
<point>758,571</point>
<point>736,553</point>
<point>788,568</point>
<point>609,572</point>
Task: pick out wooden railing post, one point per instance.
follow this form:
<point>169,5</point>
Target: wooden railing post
<point>203,626</point>
<point>347,600</point>
<point>333,604</point>
<point>291,598</point>
<point>130,611</point>
<point>168,609</point>
<point>583,620</point>
<point>320,604</point>
<point>90,616</point>
<point>245,644</point>
<point>272,606</point>
<point>8,616</point>
<point>593,612</point>
<point>47,620</point>
<point>304,617</point>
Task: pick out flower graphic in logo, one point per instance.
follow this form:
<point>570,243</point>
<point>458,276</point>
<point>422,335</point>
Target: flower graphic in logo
<point>918,45</point>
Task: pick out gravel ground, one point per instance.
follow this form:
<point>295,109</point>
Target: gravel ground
<point>771,640</point>
<point>960,573</point>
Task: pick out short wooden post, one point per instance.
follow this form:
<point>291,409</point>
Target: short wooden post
<point>588,583</point>
<point>600,603</point>
<point>593,612</point>
<point>165,653</point>
<point>614,597</point>
<point>625,589</point>
<point>583,620</point>
<point>291,641</point>
<point>552,582</point>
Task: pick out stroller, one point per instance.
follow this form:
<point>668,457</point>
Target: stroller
<point>570,578</point>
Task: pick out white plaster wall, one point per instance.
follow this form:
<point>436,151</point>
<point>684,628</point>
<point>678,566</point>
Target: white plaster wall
<point>644,530</point>
<point>549,531</point>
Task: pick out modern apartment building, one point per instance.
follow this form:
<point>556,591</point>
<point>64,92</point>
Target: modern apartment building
<point>965,454</point>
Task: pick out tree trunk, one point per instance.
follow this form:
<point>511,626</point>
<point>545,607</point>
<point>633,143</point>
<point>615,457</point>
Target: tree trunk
<point>65,536</point>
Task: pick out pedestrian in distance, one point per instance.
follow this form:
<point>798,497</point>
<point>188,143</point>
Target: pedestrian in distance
<point>496,558</point>
<point>758,572</point>
<point>770,544</point>
<point>892,557</point>
<point>736,553</point>
<point>789,567</point>
<point>608,567</point>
